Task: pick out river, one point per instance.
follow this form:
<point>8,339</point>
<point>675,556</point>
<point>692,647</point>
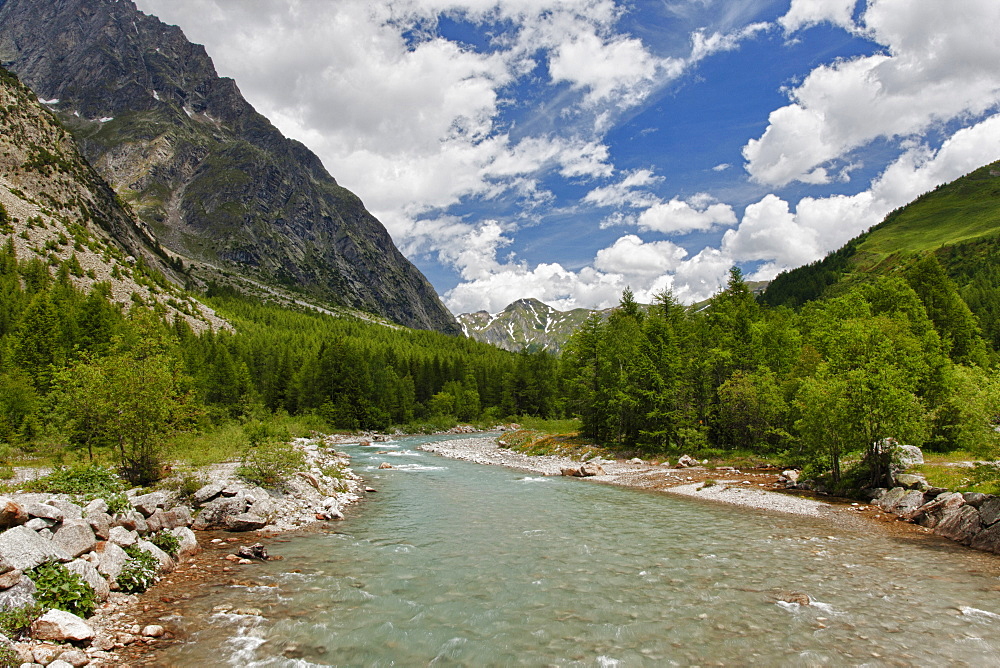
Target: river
<point>457,564</point>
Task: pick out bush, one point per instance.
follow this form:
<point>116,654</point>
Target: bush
<point>90,481</point>
<point>60,588</point>
<point>167,542</point>
<point>16,622</point>
<point>268,463</point>
<point>139,572</point>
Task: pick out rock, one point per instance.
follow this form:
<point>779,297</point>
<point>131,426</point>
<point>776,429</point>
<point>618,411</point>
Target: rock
<point>12,513</point>
<point>960,524</point>
<point>100,522</point>
<point>155,521</point>
<point>18,596</point>
<point>148,503</point>
<point>102,643</point>
<point>153,631</point>
<point>909,502</point>
<point>9,579</point>
<point>38,524</point>
<point>636,460</point>
<point>46,654</point>
<point>45,511</point>
<point>73,657</point>
<point>988,539</point>
<point>70,510</point>
<point>95,507</point>
<point>331,508</point>
<point>166,563</point>
<point>61,626</point>
<point>686,461</point>
<point>214,513</point>
<point>255,551</point>
<point>112,560</point>
<point>179,516</point>
<point>910,481</point>
<point>245,522</point>
<point>930,513</point>
<point>208,492</point>
<point>24,549</point>
<point>75,536</point>
<point>312,480</point>
<point>791,476</point>
<point>59,663</point>
<point>796,597</point>
<point>91,576</point>
<point>588,470</point>
<point>121,536</point>
<point>573,471</point>
<point>189,543</point>
<point>133,520</point>
<point>385,465</point>
<point>908,456</point>
<point>989,510</point>
<point>889,500</point>
<point>975,499</point>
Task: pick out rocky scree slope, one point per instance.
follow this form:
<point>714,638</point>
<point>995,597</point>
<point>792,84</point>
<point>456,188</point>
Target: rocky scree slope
<point>57,209</point>
<point>214,179</point>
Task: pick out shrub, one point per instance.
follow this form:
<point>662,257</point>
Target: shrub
<point>16,622</point>
<point>139,572</point>
<point>117,503</point>
<point>167,542</point>
<point>268,463</point>
<point>60,588</point>
<point>90,481</point>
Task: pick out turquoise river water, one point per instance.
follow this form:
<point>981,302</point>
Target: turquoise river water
<point>457,564</point>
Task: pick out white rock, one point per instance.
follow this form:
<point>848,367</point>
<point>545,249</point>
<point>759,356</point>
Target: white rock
<point>61,626</point>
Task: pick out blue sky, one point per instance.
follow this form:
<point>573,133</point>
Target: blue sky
<point>566,149</point>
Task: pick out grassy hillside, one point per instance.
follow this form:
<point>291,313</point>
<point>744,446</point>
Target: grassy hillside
<point>947,221</point>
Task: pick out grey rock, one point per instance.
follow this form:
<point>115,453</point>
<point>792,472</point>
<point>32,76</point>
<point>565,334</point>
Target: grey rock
<point>112,560</point>
<point>37,523</point>
<point>46,654</point>
<point>18,596</point>
<point>95,507</point>
<point>930,513</point>
<point>166,563</point>
<point>45,511</point>
<point>70,510</point>
<point>208,492</point>
<point>179,516</point>
<point>154,522</point>
<point>73,657</point>
<point>133,521</point>
<point>989,510</point>
<point>975,499</point>
<point>122,536</point>
<point>61,626</point>
<point>909,502</point>
<point>245,522</point>
<point>214,513</point>
<point>908,456</point>
<point>148,503</point>
<point>988,539</point>
<point>91,576</point>
<point>101,524</point>
<point>12,513</point>
<point>75,537</point>
<point>889,500</point>
<point>910,481</point>
<point>189,543</point>
<point>961,524</point>
<point>23,549</point>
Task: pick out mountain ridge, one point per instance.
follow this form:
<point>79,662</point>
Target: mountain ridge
<point>213,178</point>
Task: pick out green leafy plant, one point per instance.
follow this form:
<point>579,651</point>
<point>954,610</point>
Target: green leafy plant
<point>15,622</point>
<point>167,542</point>
<point>268,460</point>
<point>60,588</point>
<point>117,503</point>
<point>90,481</point>
<point>139,572</point>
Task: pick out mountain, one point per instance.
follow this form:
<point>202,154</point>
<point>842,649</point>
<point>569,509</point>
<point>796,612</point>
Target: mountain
<point>54,208</point>
<point>952,221</point>
<point>527,324</point>
<point>212,178</point>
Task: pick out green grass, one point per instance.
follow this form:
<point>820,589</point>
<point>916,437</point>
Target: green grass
<point>226,443</point>
<point>940,471</point>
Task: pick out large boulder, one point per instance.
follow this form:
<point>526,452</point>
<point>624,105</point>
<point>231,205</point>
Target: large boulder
<point>189,543</point>
<point>112,561</point>
<point>122,536</point>
<point>930,513</point>
<point>908,503</point>
<point>75,536</point>
<point>45,511</point>
<point>178,516</point>
<point>961,524</point>
<point>148,503</point>
<point>100,523</point>
<point>70,510</point>
<point>976,499</point>
<point>166,563</point>
<point>245,522</point>
<point>22,548</point>
<point>214,513</point>
<point>208,492</point>
<point>989,510</point>
<point>911,481</point>
<point>12,513</point>
<point>91,576</point>
<point>97,506</point>
<point>133,520</point>
<point>61,626</point>
<point>908,456</point>
<point>892,497</point>
<point>988,540</point>
<point>20,595</point>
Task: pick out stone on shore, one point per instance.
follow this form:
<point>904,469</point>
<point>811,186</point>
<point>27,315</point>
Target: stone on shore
<point>91,576</point>
<point>960,524</point>
<point>112,561</point>
<point>75,537</point>
<point>23,549</point>
<point>20,595</point>
<point>61,626</point>
<point>12,513</point>
<point>245,522</point>
<point>989,510</point>
<point>189,543</point>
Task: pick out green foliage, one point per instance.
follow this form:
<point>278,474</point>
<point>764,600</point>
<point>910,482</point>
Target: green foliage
<point>89,481</point>
<point>139,572</point>
<point>268,458</point>
<point>16,622</point>
<point>60,588</point>
<point>166,541</point>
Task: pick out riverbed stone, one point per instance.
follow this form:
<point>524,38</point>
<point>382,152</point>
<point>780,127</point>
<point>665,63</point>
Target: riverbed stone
<point>889,500</point>
<point>20,595</point>
<point>100,523</point>
<point>70,510</point>
<point>23,549</point>
<point>112,560</point>
<point>930,513</point>
<point>960,524</point>
<point>12,513</point>
<point>214,513</point>
<point>75,536</point>
<point>45,511</point>
<point>178,516</point>
<point>975,499</point>
<point>988,539</point>
<point>245,522</point>
<point>189,543</point>
<point>208,492</point>
<point>61,626</point>
<point>910,501</point>
<point>166,563</point>
<point>121,536</point>
<point>73,657</point>
<point>91,576</point>
<point>989,510</point>
<point>148,503</point>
